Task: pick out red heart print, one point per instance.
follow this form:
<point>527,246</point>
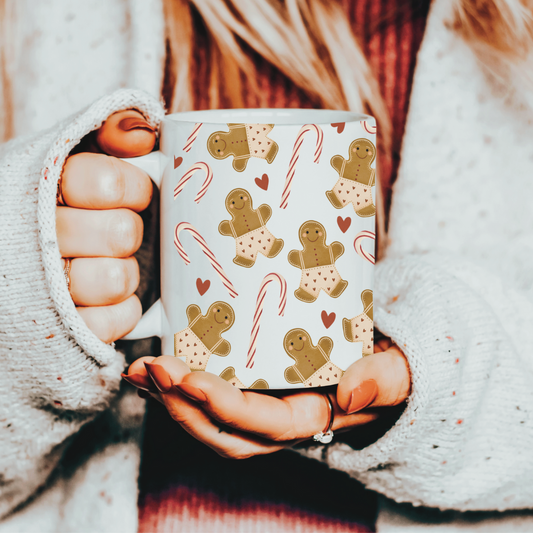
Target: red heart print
<point>178,161</point>
<point>339,126</point>
<point>344,223</point>
<point>262,182</point>
<point>328,319</point>
<point>202,286</point>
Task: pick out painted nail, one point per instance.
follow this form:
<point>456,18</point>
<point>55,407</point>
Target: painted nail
<point>143,394</point>
<point>362,396</point>
<point>134,123</point>
<point>192,392</point>
<point>140,381</point>
<point>159,376</point>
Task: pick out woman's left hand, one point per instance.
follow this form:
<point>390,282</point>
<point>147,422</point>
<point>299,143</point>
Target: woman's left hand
<point>242,423</point>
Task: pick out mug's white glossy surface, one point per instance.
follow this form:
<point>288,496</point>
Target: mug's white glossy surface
<point>198,283</point>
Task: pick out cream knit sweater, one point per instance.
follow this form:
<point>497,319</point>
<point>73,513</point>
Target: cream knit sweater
<point>455,290</point>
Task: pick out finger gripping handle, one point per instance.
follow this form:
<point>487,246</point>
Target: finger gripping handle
<point>153,164</point>
<point>150,324</point>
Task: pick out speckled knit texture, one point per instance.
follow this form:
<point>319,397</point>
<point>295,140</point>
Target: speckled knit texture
<point>66,57</point>
<point>455,292</point>
<point>56,374</point>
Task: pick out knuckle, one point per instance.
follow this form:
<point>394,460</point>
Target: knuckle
<point>117,280</point>
<point>125,232</point>
<point>112,181</point>
<point>110,323</point>
<point>106,333</point>
<point>123,316</point>
<point>134,310</point>
<point>99,323</point>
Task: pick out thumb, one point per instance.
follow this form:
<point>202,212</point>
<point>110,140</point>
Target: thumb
<point>126,134</point>
<point>380,379</point>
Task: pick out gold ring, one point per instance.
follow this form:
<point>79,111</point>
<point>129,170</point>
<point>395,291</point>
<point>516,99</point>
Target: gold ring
<point>66,270</point>
<point>326,436</point>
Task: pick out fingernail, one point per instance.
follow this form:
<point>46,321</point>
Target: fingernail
<point>140,381</point>
<point>362,396</point>
<point>192,392</point>
<point>133,123</point>
<point>159,376</point>
<point>143,394</point>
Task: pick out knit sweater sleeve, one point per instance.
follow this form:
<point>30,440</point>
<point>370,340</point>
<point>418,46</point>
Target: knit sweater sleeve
<point>464,439</point>
<point>56,374</point>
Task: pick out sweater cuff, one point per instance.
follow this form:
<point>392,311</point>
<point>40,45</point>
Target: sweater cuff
<point>398,309</point>
<point>443,451</point>
<point>66,139</point>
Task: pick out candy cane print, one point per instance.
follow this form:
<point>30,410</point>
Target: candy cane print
<point>296,155</point>
<point>259,311</point>
<point>368,127</point>
<point>358,245</point>
<point>188,175</point>
<point>192,137</point>
<point>186,226</point>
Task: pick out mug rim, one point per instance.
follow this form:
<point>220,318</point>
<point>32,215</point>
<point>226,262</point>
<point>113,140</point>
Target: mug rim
<point>288,116</point>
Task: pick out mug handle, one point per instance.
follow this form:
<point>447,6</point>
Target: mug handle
<point>150,323</point>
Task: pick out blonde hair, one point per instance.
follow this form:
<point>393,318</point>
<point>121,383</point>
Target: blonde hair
<point>6,43</point>
<point>312,44</point>
<point>309,41</point>
<point>501,34</point>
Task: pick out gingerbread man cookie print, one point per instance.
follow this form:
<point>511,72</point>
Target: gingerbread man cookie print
<point>229,375</point>
<point>243,141</point>
<point>248,227</point>
<point>356,178</point>
<point>317,262</point>
<point>203,336</point>
<point>312,365</point>
<point>361,327</point>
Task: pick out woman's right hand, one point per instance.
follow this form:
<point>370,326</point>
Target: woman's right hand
<point>99,228</point>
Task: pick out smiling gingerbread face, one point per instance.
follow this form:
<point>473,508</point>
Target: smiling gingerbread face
<point>295,342</point>
<point>363,150</point>
<point>222,316</point>
<point>217,145</point>
<point>312,233</point>
<point>238,200</point>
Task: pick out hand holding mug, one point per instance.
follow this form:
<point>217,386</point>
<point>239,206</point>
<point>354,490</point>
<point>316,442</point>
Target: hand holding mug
<point>98,226</point>
<point>236,423</point>
<point>240,424</point>
<point>261,284</point>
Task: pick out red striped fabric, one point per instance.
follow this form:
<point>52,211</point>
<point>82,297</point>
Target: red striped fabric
<point>187,510</point>
<point>390,33</point>
<point>186,487</point>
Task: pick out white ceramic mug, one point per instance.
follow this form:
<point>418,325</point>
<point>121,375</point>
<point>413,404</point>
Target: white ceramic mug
<point>264,281</point>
